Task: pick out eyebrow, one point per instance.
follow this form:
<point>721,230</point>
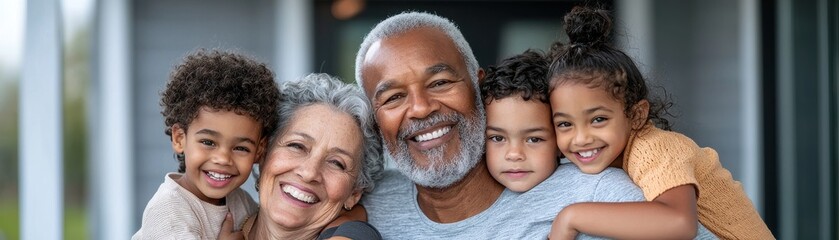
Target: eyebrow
<point>311,139</point>
<point>217,134</point>
<point>434,69</point>
<point>587,111</point>
<point>529,130</point>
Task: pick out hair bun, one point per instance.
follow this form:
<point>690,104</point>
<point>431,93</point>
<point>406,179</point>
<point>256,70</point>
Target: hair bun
<point>587,26</point>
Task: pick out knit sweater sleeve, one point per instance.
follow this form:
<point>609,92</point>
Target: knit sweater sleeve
<point>658,160</point>
<point>169,217</point>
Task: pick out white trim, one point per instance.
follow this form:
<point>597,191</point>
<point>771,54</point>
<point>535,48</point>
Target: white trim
<point>113,158</point>
<point>751,125</point>
<point>294,39</point>
<point>41,161</point>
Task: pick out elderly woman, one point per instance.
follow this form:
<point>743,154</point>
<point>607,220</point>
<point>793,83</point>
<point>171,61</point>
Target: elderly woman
<point>325,153</point>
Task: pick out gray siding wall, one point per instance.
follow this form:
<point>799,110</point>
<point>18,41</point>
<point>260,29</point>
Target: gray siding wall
<point>163,33</point>
<point>697,59</point>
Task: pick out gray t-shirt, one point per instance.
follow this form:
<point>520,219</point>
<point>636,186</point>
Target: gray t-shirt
<point>392,207</point>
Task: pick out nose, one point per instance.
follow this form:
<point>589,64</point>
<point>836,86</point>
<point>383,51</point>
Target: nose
<point>222,157</point>
<point>582,137</point>
<point>309,169</point>
<point>515,153</point>
<point>421,105</point>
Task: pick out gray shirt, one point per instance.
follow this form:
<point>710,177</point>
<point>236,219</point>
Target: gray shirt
<point>392,207</point>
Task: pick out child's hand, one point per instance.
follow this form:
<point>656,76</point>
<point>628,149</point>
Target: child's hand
<point>561,228</point>
<point>227,232</point>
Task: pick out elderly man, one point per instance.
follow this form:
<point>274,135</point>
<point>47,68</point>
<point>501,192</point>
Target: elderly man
<point>422,80</point>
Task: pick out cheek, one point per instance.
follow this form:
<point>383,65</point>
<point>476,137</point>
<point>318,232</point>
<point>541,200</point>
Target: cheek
<point>338,186</point>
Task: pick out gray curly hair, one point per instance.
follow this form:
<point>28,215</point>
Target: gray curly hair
<point>321,88</point>
<point>407,21</point>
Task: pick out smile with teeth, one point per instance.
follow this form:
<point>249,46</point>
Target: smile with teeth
<point>300,195</point>
<point>218,176</point>
<point>588,153</point>
<point>433,135</point>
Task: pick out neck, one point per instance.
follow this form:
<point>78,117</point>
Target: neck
<point>473,194</point>
<point>263,228</point>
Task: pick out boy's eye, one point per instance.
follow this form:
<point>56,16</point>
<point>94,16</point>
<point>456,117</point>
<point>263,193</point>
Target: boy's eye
<point>496,138</point>
<point>534,140</point>
<point>242,149</point>
<point>208,143</point>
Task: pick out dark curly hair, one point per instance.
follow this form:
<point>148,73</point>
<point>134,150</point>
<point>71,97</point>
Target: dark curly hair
<point>589,59</point>
<point>524,75</point>
<point>220,81</point>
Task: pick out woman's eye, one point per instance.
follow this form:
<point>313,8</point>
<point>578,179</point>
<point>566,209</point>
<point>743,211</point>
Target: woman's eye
<point>496,138</point>
<point>534,140</point>
<point>208,143</point>
<point>337,164</point>
<point>296,146</point>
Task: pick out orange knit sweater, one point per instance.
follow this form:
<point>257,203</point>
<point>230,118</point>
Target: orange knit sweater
<point>659,160</point>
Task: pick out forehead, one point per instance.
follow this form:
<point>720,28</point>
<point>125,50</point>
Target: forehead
<point>326,124</point>
<point>413,50</point>
<point>513,109</point>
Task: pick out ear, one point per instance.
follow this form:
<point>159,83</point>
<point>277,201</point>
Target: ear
<point>642,111</point>
<point>178,138</point>
<point>481,75</point>
<point>261,150</point>
<point>353,199</point>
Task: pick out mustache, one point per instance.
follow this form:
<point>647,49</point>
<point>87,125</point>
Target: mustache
<point>435,118</point>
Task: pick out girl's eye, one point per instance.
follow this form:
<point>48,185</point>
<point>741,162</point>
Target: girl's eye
<point>208,143</point>
<point>242,149</point>
<point>563,124</point>
<point>599,119</point>
<point>496,138</point>
<point>534,140</point>
<point>337,164</point>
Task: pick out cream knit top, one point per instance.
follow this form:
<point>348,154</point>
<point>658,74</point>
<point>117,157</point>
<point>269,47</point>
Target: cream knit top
<point>175,213</point>
<point>659,160</point>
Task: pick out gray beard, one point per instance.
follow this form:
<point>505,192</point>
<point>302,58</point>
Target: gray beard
<point>441,173</point>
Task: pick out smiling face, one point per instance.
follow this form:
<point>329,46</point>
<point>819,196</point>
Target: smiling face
<point>425,105</point>
<point>521,145</point>
<point>311,169</point>
<point>591,127</point>
<point>220,149</point>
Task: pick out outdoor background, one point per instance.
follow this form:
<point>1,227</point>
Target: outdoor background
<point>755,80</point>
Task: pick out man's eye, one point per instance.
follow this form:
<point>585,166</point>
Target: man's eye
<point>393,98</point>
<point>439,83</point>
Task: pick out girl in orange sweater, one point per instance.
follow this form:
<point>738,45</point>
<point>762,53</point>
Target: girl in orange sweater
<point>604,118</point>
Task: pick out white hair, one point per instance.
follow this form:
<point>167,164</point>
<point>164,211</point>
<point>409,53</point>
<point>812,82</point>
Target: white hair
<point>407,21</point>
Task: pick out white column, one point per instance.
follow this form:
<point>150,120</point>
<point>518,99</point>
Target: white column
<point>750,123</point>
<point>294,39</point>
<point>41,161</point>
<point>113,156</point>
<point>635,20</point>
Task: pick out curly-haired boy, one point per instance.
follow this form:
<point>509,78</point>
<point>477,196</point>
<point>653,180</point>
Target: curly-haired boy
<point>219,109</point>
